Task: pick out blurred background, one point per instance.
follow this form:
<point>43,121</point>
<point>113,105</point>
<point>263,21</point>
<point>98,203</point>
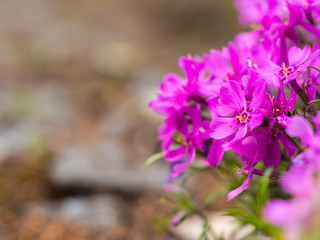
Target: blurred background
<point>76,78</point>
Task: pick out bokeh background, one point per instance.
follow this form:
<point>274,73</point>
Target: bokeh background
<point>76,78</point>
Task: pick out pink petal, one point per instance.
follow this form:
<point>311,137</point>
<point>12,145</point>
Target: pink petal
<point>234,193</point>
<point>297,56</point>
<point>255,121</point>
<point>259,93</point>
<point>247,147</point>
<point>223,127</point>
<point>272,155</point>
<point>195,115</point>
<point>279,211</point>
<point>180,167</point>
<point>217,109</point>
<point>238,94</point>
<point>175,154</point>
<point>215,153</point>
<point>216,63</point>
<point>301,128</point>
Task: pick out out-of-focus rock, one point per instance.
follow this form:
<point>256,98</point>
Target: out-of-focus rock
<point>28,113</point>
<point>105,165</point>
<point>103,211</point>
<point>114,58</point>
<point>224,227</point>
<point>144,88</point>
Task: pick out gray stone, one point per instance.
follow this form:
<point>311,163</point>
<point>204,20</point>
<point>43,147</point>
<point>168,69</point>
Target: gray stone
<point>105,165</point>
<point>224,227</point>
<point>30,113</point>
<point>103,211</point>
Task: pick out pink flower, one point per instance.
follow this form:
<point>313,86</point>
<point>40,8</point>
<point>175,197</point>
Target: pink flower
<point>232,114</point>
<point>189,138</point>
<point>276,108</point>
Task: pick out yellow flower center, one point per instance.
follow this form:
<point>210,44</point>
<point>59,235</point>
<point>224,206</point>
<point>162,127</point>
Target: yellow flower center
<point>242,118</point>
<point>284,68</point>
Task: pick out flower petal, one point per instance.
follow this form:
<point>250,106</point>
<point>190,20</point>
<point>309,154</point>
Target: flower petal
<point>180,167</point>
<point>223,127</point>
<point>301,128</point>
<point>175,154</point>
<point>234,193</point>
<point>215,153</point>
<point>272,156</point>
<point>259,93</point>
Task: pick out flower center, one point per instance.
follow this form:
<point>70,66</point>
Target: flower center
<point>285,71</point>
<point>274,134</point>
<point>242,117</point>
<point>284,68</point>
<point>276,110</point>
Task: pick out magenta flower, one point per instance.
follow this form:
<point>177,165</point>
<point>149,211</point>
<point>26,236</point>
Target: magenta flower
<point>276,108</point>
<point>189,139</point>
<point>231,113</point>
<point>299,127</point>
<point>289,215</point>
<point>223,66</point>
<point>215,153</point>
<point>177,92</point>
<point>269,146</point>
<point>245,87</point>
<point>256,146</point>
<point>301,182</point>
<point>310,86</point>
<point>304,3</point>
<point>298,62</point>
<point>310,79</point>
<point>234,193</point>
<point>258,10</point>
<point>293,215</point>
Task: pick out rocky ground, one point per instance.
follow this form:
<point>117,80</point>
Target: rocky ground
<point>76,78</point>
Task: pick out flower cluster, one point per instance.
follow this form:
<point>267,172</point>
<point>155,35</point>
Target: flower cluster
<point>253,97</point>
<point>301,181</point>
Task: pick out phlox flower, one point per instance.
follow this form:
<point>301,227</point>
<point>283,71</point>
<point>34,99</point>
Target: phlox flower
<point>223,65</point>
<point>249,173</point>
<point>258,10</point>
<point>189,138</point>
<point>232,114</point>
<point>299,127</point>
<point>256,146</point>
<point>301,182</point>
<point>304,3</point>
<point>176,92</point>
<point>276,107</point>
<point>310,79</point>
<point>298,63</point>
<point>294,215</point>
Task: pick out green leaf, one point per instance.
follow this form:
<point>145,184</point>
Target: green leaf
<point>153,158</point>
<point>184,202</point>
<point>314,101</point>
<point>256,238</point>
<point>238,212</point>
<point>262,195</point>
<point>247,218</point>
